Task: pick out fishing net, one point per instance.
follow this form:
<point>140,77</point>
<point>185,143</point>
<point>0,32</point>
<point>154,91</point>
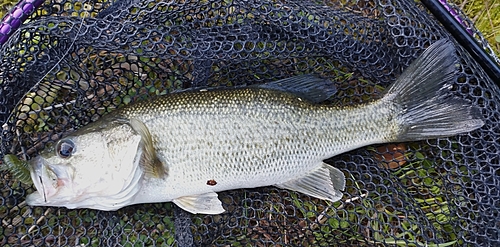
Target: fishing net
<point>71,62</point>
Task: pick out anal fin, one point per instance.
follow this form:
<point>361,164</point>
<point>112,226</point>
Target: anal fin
<point>207,203</point>
<point>326,183</point>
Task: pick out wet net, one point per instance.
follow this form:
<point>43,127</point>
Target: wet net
<point>71,62</point>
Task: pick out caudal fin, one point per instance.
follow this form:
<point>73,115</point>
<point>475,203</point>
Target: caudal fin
<point>426,110</point>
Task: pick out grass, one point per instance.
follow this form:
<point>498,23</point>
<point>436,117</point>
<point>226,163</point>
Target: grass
<point>485,14</point>
<point>6,6</point>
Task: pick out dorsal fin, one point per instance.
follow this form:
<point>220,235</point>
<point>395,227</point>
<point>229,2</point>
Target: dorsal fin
<point>309,87</point>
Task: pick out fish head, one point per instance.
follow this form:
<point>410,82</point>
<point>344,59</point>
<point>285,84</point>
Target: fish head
<point>97,167</point>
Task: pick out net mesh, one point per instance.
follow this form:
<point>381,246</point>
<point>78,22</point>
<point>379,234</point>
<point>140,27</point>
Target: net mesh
<point>73,61</point>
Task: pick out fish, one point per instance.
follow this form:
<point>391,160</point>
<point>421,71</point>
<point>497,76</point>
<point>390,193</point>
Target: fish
<point>187,146</point>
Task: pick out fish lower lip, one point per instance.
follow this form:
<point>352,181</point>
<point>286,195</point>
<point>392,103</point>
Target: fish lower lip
<point>36,174</point>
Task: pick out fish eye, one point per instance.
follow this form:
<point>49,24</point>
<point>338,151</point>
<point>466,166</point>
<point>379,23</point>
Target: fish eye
<point>65,148</point>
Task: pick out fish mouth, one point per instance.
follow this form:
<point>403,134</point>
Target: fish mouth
<point>45,180</point>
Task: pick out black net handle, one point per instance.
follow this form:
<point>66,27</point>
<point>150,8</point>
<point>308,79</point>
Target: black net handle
<point>450,20</point>
<point>13,20</point>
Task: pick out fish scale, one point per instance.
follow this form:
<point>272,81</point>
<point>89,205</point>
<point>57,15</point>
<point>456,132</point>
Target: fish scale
<point>263,136</point>
<point>186,146</point>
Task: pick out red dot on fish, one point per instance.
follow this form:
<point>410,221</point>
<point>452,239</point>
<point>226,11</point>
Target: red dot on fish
<point>211,182</point>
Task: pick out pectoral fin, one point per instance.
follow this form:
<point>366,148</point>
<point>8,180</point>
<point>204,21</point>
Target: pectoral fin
<point>326,182</point>
<point>207,203</point>
<point>150,162</point>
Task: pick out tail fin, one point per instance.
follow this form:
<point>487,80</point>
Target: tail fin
<point>426,111</point>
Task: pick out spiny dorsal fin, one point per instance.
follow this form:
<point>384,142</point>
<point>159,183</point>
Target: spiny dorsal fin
<point>309,87</point>
<point>150,162</point>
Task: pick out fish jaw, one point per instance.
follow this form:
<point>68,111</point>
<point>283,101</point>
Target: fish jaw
<point>49,180</point>
<point>39,197</point>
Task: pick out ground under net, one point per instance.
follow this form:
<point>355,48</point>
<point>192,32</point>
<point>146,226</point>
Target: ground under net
<point>73,61</point>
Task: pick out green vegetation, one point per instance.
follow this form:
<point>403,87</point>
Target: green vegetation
<point>6,6</point>
<point>485,14</point>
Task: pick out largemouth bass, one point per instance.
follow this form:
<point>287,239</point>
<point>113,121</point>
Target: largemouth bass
<point>187,146</point>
